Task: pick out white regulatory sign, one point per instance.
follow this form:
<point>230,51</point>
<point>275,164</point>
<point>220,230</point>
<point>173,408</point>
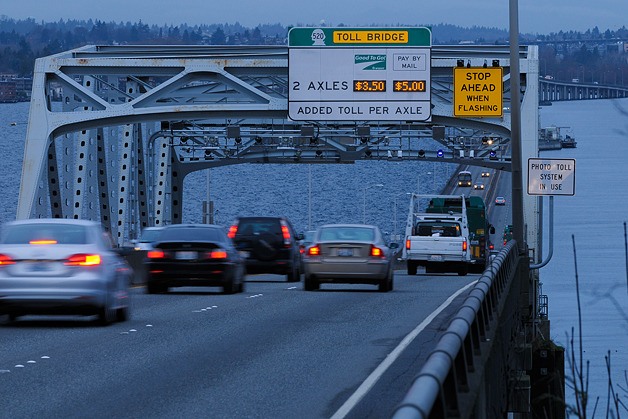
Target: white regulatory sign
<point>359,74</point>
<point>551,176</point>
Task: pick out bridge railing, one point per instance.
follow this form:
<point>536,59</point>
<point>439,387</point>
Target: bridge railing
<point>466,374</point>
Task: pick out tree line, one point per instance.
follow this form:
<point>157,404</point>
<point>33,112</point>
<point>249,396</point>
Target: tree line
<point>589,56</point>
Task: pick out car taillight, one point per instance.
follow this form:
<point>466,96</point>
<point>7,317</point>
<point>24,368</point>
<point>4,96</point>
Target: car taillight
<point>314,250</point>
<point>217,254</point>
<point>464,246</point>
<point>376,252</point>
<point>408,244</point>
<point>491,246</point>
<point>155,254</point>
<point>6,260</point>
<point>83,259</point>
<point>232,231</point>
<point>285,232</point>
<point>301,249</point>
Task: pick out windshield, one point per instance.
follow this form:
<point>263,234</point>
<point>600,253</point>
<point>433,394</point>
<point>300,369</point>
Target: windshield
<point>196,234</point>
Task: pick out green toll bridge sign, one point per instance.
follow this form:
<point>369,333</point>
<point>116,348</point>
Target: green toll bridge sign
<point>551,176</point>
<point>359,74</point>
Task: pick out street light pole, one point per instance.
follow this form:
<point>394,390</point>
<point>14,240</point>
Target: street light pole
<point>395,212</point>
<point>377,185</point>
<point>433,173</point>
<point>309,197</point>
<point>515,127</point>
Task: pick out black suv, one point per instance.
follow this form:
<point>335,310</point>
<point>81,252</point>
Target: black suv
<point>269,245</point>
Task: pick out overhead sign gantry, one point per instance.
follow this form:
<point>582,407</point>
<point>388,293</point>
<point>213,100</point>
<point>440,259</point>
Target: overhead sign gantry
<point>349,74</point>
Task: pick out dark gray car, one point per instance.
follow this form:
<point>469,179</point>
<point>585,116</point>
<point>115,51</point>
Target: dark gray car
<point>269,245</point>
<point>194,255</point>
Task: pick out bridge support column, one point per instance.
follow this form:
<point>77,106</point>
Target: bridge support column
<point>130,135</point>
<point>104,197</point>
<point>141,184</point>
<point>162,175</point>
<point>54,190</point>
<point>176,197</point>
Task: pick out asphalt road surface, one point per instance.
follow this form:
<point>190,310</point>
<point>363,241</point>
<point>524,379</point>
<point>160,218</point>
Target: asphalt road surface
<point>275,351</point>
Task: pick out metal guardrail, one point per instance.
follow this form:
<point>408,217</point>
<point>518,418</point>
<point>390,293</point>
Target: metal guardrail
<point>468,355</point>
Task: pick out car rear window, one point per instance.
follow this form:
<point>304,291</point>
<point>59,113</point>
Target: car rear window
<point>149,236</point>
<point>438,229</point>
<point>205,234</point>
<point>347,233</point>
<point>32,233</point>
<point>258,226</point>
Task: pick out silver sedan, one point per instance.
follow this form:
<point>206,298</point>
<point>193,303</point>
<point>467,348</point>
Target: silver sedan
<point>350,254</point>
<point>62,266</point>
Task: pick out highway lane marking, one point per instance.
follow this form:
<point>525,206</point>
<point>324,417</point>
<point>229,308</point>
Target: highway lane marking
<point>370,381</point>
<point>3,371</point>
<point>204,309</point>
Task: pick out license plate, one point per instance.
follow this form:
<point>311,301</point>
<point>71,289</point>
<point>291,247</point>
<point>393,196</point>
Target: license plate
<point>186,255</point>
<point>245,254</point>
<point>345,252</point>
<point>41,267</point>
<point>436,257</point>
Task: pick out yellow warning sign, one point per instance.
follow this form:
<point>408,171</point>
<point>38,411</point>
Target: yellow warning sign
<point>478,91</point>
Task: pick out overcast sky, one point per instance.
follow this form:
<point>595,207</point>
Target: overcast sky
<point>535,16</point>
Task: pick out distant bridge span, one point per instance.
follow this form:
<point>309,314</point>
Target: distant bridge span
<point>555,91</point>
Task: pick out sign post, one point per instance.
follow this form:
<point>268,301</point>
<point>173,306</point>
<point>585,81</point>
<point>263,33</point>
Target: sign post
<point>347,74</point>
<point>551,176</point>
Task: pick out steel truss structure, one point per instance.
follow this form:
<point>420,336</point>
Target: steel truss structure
<point>114,130</point>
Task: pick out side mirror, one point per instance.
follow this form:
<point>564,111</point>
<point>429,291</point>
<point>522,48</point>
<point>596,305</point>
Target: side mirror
<point>491,229</point>
<point>299,236</point>
<point>394,245</point>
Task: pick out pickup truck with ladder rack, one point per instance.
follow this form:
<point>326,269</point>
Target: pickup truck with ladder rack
<point>437,241</point>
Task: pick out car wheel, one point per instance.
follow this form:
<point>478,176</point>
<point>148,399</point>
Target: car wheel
<point>310,283</point>
<point>391,280</point>
<point>294,275</point>
<point>241,286</point>
<point>154,288</point>
<point>385,283</point>
<point>123,314</point>
<point>480,268</point>
<point>106,314</point>
<point>412,267</point>
<point>230,287</point>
